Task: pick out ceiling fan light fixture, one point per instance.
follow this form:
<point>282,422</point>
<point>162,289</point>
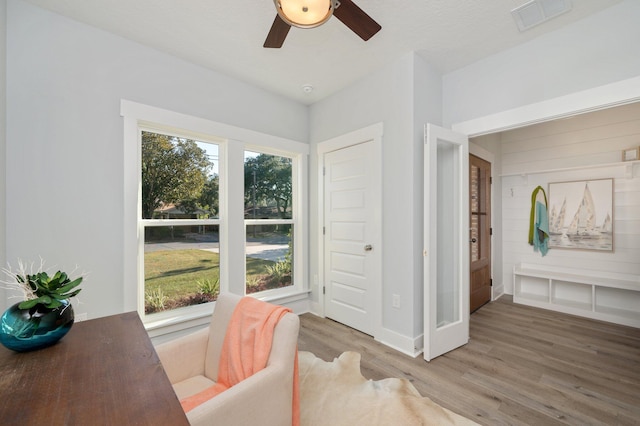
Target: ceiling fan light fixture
<point>305,13</point>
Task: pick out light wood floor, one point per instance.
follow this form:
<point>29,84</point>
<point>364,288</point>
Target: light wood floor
<point>522,366</point>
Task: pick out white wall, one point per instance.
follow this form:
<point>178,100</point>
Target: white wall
<point>389,96</point>
<point>64,145</point>
<point>427,108</point>
<point>578,143</point>
<point>3,138</point>
<point>600,49</point>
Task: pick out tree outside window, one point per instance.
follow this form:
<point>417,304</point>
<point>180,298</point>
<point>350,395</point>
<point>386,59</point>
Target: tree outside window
<point>180,221</point>
<point>267,186</point>
<point>268,193</point>
<point>182,261</point>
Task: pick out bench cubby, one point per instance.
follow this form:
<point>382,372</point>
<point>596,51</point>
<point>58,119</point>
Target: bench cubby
<point>604,296</point>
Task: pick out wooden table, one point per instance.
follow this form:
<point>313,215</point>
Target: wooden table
<point>103,372</point>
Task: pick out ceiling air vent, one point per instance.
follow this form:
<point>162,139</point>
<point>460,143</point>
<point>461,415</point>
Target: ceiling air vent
<point>536,12</point>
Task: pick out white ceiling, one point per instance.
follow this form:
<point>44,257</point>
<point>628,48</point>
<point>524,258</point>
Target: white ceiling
<point>227,36</point>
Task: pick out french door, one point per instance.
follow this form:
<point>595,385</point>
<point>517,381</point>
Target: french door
<point>446,241</point>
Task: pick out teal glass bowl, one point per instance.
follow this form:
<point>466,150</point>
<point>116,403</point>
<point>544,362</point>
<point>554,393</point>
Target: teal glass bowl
<point>23,330</point>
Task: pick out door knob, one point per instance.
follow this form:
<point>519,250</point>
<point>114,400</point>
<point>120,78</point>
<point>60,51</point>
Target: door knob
<point>473,240</point>
<point>368,247</point>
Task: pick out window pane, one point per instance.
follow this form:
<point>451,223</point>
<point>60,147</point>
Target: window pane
<point>448,284</point>
<point>181,266</point>
<point>179,178</point>
<point>269,257</point>
<point>267,186</point>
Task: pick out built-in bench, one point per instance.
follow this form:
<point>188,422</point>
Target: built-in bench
<point>605,296</point>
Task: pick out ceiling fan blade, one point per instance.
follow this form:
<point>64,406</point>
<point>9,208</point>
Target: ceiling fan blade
<point>356,19</point>
<point>277,33</point>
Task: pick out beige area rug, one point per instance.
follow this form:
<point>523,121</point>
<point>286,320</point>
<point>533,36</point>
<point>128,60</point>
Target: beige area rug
<point>335,393</point>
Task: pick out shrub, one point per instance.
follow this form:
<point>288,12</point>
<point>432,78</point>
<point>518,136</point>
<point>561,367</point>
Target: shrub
<point>252,282</point>
<point>155,299</point>
<point>279,270</point>
<point>209,287</point>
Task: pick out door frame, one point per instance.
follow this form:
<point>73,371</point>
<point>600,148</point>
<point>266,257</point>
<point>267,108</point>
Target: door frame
<point>371,134</point>
<point>497,289</point>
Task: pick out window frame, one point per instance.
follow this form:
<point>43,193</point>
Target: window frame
<point>232,142</point>
<point>197,310</point>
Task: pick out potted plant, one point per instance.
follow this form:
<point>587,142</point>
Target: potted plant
<point>46,314</point>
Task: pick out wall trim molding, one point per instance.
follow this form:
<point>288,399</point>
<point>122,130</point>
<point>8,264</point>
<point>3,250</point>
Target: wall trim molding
<point>412,346</point>
<point>609,95</point>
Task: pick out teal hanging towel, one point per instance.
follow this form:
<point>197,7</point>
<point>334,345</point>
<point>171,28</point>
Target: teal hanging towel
<point>539,223</point>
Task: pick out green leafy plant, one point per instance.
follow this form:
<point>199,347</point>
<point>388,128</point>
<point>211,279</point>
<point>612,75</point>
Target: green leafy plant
<point>156,299</point>
<point>253,281</point>
<point>38,287</point>
<point>210,287</point>
<point>279,269</point>
<point>50,291</point>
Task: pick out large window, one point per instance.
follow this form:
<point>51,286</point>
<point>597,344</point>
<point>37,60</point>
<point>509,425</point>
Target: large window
<point>180,221</point>
<point>196,221</point>
<point>268,212</point>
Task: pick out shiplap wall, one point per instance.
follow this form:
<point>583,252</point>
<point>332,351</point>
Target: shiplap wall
<point>568,150</point>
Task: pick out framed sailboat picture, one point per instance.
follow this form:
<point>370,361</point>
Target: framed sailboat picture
<point>581,215</point>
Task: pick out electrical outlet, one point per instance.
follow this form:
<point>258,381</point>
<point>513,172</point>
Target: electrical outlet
<point>80,317</point>
<point>395,301</point>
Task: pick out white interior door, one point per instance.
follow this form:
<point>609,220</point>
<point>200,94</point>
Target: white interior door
<point>351,251</point>
<point>446,241</point>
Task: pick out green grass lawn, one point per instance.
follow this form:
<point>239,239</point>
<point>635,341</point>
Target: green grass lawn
<point>177,272</point>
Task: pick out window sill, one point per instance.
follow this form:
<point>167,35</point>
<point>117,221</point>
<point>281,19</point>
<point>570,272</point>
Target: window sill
<point>178,319</point>
<point>182,319</point>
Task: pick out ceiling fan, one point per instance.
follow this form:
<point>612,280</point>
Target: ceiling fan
<point>313,13</point>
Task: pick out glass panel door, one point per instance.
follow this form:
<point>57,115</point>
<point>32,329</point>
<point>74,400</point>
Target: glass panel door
<point>446,208</point>
<point>447,247</point>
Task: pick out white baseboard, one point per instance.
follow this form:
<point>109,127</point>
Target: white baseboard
<point>497,292</point>
<point>407,345</point>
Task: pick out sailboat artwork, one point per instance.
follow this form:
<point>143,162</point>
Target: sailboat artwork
<point>581,215</point>
<point>556,220</point>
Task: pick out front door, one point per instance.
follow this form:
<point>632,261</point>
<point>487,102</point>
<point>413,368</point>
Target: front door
<point>480,235</point>
<point>352,255</point>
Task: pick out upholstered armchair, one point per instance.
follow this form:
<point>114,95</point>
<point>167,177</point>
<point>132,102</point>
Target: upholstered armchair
<point>265,398</point>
